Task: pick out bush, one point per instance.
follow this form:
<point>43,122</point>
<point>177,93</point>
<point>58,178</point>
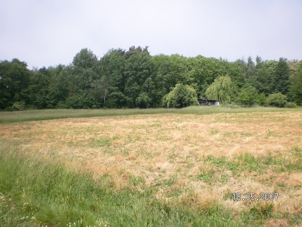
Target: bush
<point>278,100</point>
<point>291,105</point>
<point>247,96</point>
<point>180,96</point>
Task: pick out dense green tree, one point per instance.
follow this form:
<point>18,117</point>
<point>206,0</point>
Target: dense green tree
<point>81,100</point>
<point>84,79</point>
<point>100,90</point>
<point>38,89</point>
<point>180,96</point>
<point>221,89</point>
<point>247,96</point>
<point>14,80</point>
<point>270,66</point>
<point>276,99</point>
<point>259,62</point>
<point>164,80</point>
<point>293,67</point>
<point>134,78</point>
<point>138,68</point>
<point>111,69</point>
<point>263,83</point>
<point>84,70</point>
<point>58,90</point>
<point>248,68</point>
<point>85,59</point>
<point>116,99</point>
<point>204,71</point>
<point>112,66</point>
<point>281,81</point>
<point>143,100</point>
<point>150,92</point>
<point>251,68</point>
<point>296,87</point>
<point>236,74</point>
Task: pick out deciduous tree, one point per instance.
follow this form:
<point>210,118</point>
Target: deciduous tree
<point>296,87</point>
<point>180,96</point>
<point>221,89</point>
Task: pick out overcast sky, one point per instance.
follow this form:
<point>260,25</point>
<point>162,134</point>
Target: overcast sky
<point>51,32</point>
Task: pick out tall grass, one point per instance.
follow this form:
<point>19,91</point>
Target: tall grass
<point>38,193</point>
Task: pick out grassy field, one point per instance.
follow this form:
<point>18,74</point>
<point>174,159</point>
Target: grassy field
<point>151,167</point>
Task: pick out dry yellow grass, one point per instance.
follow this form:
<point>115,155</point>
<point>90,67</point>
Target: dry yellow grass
<point>168,152</point>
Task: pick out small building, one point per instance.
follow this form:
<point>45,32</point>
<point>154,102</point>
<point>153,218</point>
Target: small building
<point>208,102</point>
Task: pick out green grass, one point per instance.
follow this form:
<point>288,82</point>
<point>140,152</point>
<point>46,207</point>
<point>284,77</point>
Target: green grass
<point>247,163</point>
<point>38,193</point>
<point>32,115</point>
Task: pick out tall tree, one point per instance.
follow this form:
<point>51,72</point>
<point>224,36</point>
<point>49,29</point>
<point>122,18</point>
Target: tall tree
<point>247,96</point>
<point>293,67</point>
<point>281,79</point>
<point>83,78</point>
<point>38,89</point>
<point>251,68</point>
<point>59,86</point>
<point>263,83</point>
<point>296,86</point>
<point>138,68</point>
<point>111,67</point>
<point>270,66</point>
<point>259,62</point>
<point>164,79</point>
<point>14,80</point>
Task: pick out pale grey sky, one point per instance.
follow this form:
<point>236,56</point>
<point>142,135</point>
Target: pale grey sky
<point>51,32</point>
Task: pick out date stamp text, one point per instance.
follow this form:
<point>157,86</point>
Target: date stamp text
<point>250,196</point>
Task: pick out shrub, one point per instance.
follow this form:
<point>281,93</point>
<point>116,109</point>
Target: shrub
<point>247,96</point>
<point>291,105</point>
<point>180,96</point>
<point>277,99</point>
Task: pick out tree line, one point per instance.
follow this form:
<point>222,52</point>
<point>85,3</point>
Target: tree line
<point>134,79</point>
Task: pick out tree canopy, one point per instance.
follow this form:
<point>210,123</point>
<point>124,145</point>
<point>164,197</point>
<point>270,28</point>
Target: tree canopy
<point>134,79</point>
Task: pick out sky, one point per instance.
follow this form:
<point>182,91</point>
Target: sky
<point>47,33</point>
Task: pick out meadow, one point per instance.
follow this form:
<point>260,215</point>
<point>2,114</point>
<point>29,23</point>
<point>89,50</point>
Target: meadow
<point>156,167</point>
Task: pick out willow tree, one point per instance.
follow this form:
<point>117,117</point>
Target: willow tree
<point>221,89</point>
